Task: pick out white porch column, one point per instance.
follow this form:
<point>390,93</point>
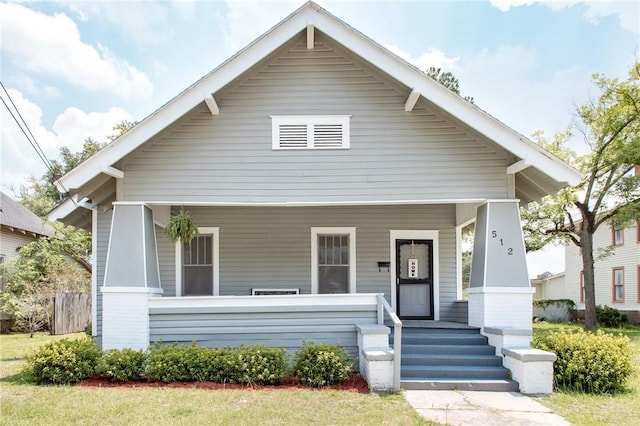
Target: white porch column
<point>131,277</point>
<point>500,295</point>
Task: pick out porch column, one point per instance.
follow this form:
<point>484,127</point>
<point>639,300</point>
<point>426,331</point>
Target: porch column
<point>131,277</point>
<point>500,296</point>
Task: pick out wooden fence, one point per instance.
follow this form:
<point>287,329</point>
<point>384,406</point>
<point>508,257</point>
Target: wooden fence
<point>70,312</point>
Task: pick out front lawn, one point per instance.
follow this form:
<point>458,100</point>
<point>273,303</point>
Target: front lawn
<point>28,404</point>
<point>582,409</point>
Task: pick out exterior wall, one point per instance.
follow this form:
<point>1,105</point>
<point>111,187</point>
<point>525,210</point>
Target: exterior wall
<point>626,256</point>
<point>394,155</point>
<point>271,246</point>
<point>10,242</point>
<point>272,320</point>
<point>104,227</point>
<point>549,288</point>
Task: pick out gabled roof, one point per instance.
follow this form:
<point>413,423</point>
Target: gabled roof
<point>19,218</point>
<point>311,16</point>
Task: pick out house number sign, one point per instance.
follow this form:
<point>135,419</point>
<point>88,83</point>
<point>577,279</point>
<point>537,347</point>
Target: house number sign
<point>495,235</point>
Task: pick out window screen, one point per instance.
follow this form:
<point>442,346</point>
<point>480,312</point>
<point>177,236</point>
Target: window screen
<point>197,266</point>
<point>333,264</point>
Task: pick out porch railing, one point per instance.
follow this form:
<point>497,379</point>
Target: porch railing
<point>383,306</point>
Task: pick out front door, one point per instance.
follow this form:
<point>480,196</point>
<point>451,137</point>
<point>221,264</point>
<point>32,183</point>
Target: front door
<point>414,279</point>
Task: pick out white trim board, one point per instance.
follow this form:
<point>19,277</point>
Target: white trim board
<point>315,232</point>
<point>215,233</point>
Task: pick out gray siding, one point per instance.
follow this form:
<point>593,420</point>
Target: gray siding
<point>271,325</point>
<point>104,228</point>
<point>166,260</point>
<point>394,155</point>
<point>271,246</point>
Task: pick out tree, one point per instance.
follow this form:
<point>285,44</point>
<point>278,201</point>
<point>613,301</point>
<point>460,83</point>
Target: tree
<point>609,191</point>
<point>448,80</point>
<point>42,269</point>
<point>41,195</point>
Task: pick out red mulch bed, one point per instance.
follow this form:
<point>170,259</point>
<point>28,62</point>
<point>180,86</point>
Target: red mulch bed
<point>355,383</point>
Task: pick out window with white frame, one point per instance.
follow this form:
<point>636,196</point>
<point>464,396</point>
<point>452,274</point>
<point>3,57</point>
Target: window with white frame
<point>618,284</point>
<point>333,258</point>
<point>197,265</point>
<point>310,131</point>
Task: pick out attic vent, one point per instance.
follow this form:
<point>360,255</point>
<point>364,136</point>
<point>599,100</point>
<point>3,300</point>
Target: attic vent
<point>310,131</point>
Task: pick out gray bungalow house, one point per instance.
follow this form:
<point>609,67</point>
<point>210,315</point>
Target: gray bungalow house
<point>330,181</point>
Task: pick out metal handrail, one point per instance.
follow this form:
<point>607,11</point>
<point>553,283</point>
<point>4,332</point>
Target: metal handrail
<point>383,305</point>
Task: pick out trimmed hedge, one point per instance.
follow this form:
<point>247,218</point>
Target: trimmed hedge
<point>63,361</point>
<point>123,365</point>
<point>321,364</point>
<point>589,362</point>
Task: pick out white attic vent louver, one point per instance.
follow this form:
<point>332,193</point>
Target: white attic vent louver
<point>310,131</point>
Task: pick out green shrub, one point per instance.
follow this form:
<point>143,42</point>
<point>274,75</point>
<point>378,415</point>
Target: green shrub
<point>88,329</point>
<point>321,364</point>
<point>256,364</point>
<point>610,317</point>
<point>63,361</point>
<point>123,365</point>
<point>246,364</point>
<point>589,362</point>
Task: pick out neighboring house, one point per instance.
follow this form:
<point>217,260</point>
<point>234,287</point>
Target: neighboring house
<point>18,227</point>
<point>617,276</point>
<point>551,287</point>
<point>315,162</point>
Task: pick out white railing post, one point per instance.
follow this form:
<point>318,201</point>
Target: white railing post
<point>397,338</point>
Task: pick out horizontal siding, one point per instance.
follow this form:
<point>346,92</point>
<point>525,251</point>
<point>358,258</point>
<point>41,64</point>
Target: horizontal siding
<point>166,262</point>
<point>394,155</point>
<point>271,246</point>
<point>273,326</point>
<point>104,229</point>
<point>10,243</point>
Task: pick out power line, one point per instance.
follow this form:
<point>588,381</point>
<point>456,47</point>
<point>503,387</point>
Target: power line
<point>32,140</point>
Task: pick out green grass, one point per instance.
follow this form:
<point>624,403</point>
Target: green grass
<point>582,409</point>
<point>27,404</point>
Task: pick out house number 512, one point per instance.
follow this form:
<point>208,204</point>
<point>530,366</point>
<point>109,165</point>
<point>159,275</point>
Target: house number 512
<point>494,234</point>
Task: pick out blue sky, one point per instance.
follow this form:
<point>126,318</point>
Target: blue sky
<point>74,69</point>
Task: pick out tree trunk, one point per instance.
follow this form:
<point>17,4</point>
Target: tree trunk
<point>588,277</point>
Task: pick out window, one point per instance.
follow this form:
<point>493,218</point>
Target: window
<point>333,255</point>
<point>618,284</point>
<point>197,274</point>
<point>310,131</point>
<point>581,286</point>
<point>617,236</point>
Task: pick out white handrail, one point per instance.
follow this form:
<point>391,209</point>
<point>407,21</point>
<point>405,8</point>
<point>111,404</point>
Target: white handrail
<point>397,337</point>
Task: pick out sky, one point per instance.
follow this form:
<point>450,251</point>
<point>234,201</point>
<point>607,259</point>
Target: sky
<point>76,68</point>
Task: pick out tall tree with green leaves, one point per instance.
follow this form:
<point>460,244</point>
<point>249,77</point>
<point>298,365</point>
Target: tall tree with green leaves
<point>448,80</point>
<point>610,189</point>
<point>41,195</point>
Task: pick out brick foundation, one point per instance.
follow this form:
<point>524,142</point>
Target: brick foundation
<point>634,316</point>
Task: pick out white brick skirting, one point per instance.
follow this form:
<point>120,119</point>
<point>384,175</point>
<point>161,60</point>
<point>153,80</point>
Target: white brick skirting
<point>501,307</point>
<point>125,317</point>
<point>507,338</point>
<point>376,357</point>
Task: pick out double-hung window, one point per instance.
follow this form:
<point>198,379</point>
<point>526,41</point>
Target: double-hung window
<point>333,257</point>
<point>617,234</point>
<point>197,265</point>
<point>618,284</point>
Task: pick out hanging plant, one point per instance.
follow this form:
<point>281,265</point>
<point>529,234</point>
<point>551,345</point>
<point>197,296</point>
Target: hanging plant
<point>181,227</point>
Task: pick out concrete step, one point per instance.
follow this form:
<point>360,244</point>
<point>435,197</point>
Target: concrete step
<point>458,372</point>
<point>485,360</point>
<point>443,339</point>
<point>468,385</point>
<point>449,349</point>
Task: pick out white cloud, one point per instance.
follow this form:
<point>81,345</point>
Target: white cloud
<point>628,11</point>
<point>51,45</point>
<point>140,22</point>
<point>245,20</point>
<point>549,259</point>
<point>71,128</point>
<point>431,58</point>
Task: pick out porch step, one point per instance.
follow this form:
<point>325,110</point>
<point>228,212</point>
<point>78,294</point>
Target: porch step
<point>452,356</point>
<point>468,385</point>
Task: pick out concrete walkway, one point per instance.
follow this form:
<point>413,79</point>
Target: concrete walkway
<point>481,408</point>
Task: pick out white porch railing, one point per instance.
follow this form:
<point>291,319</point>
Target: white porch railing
<point>383,305</point>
